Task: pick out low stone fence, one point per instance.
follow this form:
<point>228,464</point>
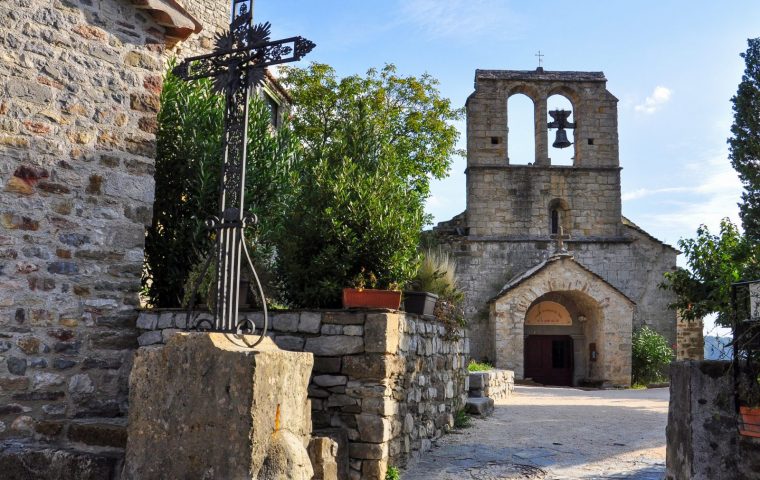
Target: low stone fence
<point>702,433</point>
<point>384,385</point>
<point>494,383</point>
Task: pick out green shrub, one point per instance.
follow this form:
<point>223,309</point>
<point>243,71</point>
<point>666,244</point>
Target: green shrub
<point>392,473</point>
<point>474,366</point>
<point>462,420</point>
<point>651,355</point>
<point>188,163</point>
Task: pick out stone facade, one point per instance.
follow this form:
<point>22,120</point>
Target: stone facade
<point>507,226</point>
<point>385,384</point>
<point>78,106</point>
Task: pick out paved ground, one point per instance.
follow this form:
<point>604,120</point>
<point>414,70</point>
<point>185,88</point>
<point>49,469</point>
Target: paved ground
<point>556,433</point>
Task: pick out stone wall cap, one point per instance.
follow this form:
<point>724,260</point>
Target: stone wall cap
<point>540,75</point>
<point>171,15</point>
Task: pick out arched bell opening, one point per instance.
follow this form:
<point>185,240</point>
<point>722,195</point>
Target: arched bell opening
<point>521,144</point>
<point>561,123</point>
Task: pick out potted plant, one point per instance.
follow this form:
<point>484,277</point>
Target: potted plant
<point>435,279</point>
<point>748,391</point>
<point>361,297</point>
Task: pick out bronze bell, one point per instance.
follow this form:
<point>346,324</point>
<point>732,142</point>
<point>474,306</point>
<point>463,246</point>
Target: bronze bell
<point>561,140</point>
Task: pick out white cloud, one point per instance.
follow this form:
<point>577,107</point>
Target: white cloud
<point>460,19</point>
<point>659,97</point>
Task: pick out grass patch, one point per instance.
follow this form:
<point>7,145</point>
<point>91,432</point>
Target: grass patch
<point>474,366</point>
<point>462,420</point>
<point>392,473</point>
<point>638,386</point>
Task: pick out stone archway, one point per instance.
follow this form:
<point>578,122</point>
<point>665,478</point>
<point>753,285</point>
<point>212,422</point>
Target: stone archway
<point>602,320</point>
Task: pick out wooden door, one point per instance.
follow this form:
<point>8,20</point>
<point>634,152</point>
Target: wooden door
<point>549,359</point>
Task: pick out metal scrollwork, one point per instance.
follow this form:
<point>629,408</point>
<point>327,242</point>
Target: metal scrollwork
<point>238,62</point>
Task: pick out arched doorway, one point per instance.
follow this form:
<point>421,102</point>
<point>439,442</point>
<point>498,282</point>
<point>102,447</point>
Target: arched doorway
<point>549,347</point>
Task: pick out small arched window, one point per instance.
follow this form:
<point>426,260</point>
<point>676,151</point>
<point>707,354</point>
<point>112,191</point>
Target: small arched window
<point>555,221</point>
<point>559,216</point>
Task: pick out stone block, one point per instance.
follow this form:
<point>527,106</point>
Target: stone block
<point>479,406</point>
<point>372,366</point>
<point>334,345</point>
<point>289,342</point>
<point>259,423</point>
<point>98,434</point>
<point>309,322</point>
<point>329,380</point>
<point>344,318</point>
<point>23,462</point>
<point>373,428</point>
<point>150,338</point>
<point>381,332</point>
<point>327,364</point>
<point>322,453</point>
<point>285,322</point>
<point>368,451</point>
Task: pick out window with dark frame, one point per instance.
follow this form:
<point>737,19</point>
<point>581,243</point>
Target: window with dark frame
<point>274,110</point>
<point>555,221</point>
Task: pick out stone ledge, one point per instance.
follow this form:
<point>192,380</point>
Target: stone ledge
<point>20,461</point>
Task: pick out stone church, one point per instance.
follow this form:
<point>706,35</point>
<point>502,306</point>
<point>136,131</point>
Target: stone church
<point>555,277</point>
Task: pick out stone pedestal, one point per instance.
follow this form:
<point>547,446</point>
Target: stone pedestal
<point>207,406</point>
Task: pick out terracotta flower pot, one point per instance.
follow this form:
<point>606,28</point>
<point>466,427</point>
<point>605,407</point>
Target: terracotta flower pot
<point>750,425</point>
<point>371,298</point>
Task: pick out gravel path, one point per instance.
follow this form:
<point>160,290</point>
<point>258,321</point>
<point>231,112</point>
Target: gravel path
<point>556,433</point>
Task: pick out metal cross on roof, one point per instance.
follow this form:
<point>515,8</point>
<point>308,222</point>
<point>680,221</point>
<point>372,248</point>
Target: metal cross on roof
<point>559,238</point>
<point>540,59</point>
<point>238,63</point>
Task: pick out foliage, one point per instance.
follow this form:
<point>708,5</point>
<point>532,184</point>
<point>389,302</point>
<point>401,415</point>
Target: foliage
<point>371,144</point>
<point>474,366</point>
<point>437,274</point>
<point>392,473</point>
<point>715,261</point>
<point>188,157</point>
<point>651,354</point>
<point>744,145</point>
<point>462,420</point>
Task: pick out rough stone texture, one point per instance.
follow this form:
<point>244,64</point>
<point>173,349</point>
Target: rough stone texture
<point>608,318</point>
<point>703,438</point>
<point>690,340</point>
<point>322,453</point>
<point>25,462</point>
<point>496,384</point>
<point>81,81</point>
<point>506,227</point>
<point>259,407</point>
<point>381,408</point>
<point>479,406</point>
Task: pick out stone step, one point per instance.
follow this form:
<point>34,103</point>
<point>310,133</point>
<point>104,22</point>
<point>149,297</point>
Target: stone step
<point>479,406</point>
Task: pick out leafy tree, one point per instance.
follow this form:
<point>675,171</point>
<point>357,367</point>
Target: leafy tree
<point>371,144</point>
<point>744,145</point>
<point>715,261</point>
<point>188,163</point>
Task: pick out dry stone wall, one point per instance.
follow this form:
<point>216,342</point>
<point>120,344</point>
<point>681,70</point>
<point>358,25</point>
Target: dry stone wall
<point>78,103</point>
<point>495,383</point>
<point>385,384</point>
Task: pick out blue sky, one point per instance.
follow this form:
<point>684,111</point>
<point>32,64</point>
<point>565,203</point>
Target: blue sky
<point>674,66</point>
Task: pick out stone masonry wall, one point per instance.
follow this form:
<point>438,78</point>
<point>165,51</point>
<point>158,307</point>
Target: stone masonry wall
<point>385,384</point>
<point>635,266</point>
<point>495,383</point>
<point>78,102</point>
<point>690,340</point>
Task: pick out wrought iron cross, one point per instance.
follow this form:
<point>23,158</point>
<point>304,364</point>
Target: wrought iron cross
<point>238,63</point>
<point>560,239</point>
<point>540,59</point>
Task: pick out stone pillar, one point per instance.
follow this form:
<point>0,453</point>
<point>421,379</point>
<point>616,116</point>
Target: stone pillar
<point>541,131</point>
<point>207,406</point>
